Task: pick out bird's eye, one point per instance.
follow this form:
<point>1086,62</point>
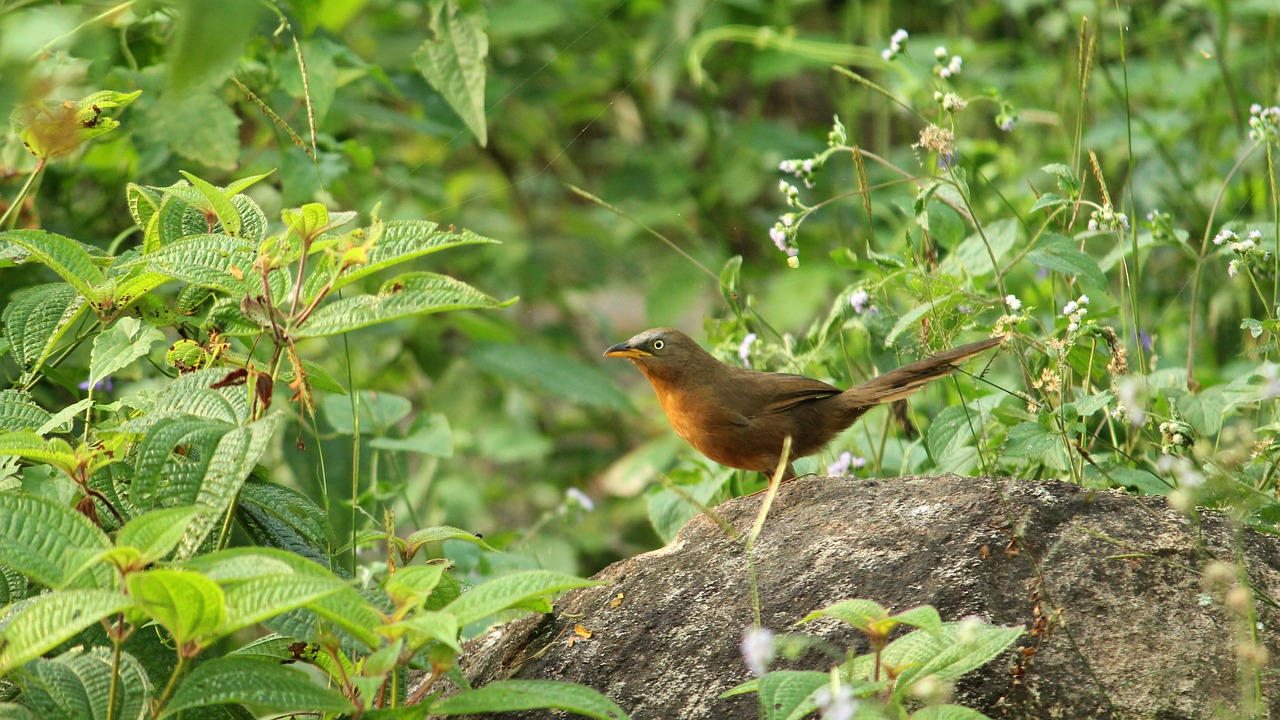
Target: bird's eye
<point>658,344</point>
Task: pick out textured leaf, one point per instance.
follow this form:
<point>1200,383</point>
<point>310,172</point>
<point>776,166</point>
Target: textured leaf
<point>861,614</point>
<point>513,695</point>
<point>964,647</point>
<point>35,627</point>
<point>453,61</point>
<point>51,543</point>
<point>218,202</point>
<point>19,411</point>
<point>281,517</point>
<point>440,534</point>
<point>64,256</point>
<point>973,257</point>
<point>270,687</point>
<point>160,474</point>
<point>424,627</point>
<point>397,242</point>
<point>144,203</point>
<point>78,684</point>
<point>1033,443</point>
<point>551,373</point>
<point>132,287</point>
<point>156,533</point>
<point>220,262</point>
<point>257,599</point>
<point>119,345</point>
<point>189,605</point>
<point>504,592</point>
<point>1062,255</point>
<point>405,296</point>
<point>782,692</point>
<point>36,319</point>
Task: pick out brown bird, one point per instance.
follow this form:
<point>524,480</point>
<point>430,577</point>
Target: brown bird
<point>740,417</point>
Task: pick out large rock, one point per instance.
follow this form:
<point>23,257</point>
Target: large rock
<point>1135,628</point>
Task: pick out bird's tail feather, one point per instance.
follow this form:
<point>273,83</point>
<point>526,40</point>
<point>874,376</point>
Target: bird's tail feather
<point>899,383</point>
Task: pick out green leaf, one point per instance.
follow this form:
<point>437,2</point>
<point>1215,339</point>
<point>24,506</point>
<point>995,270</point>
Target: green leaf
<point>52,543</point>
<point>19,411</point>
<point>963,647</point>
<point>783,692</point>
<point>1090,404</point>
<point>452,60</point>
<point>1067,181</point>
<point>118,346</point>
<point>281,517</point>
<point>220,262</point>
<point>36,319</point>
<point>429,435</point>
<point>379,411</point>
<point>397,242</point>
<point>551,373</point>
<point>862,614</point>
<point>156,533</point>
<point>424,627</point>
<point>260,598</point>
<point>514,695</point>
<point>670,510</point>
<point>1049,200</point>
<point>501,593</point>
<point>973,256</point>
<point>50,129</point>
<point>440,534</point>
<point>268,686</point>
<point>413,584</point>
<point>33,628</point>
<point>219,202</point>
<point>78,684</point>
<point>1062,255</point>
<point>405,296</point>
<point>189,605</point>
<point>1253,326</point>
<point>1033,443</point>
<point>64,256</point>
<point>924,617</point>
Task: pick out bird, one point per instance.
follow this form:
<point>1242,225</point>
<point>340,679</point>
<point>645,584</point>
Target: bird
<point>740,417</point>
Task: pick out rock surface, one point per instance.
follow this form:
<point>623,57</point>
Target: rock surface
<point>1135,629</point>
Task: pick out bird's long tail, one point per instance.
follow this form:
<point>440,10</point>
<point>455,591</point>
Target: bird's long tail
<point>899,383</point>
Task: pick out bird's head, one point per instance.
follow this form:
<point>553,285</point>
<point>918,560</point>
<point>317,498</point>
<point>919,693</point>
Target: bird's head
<point>661,353</point>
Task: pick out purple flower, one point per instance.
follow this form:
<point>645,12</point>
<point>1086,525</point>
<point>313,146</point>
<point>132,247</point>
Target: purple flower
<point>103,384</point>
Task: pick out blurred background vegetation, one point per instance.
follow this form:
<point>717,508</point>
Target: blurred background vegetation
<point>677,113</point>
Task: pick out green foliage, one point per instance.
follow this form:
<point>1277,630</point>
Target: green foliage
<point>884,682</point>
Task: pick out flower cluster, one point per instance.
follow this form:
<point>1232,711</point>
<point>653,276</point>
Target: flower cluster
<point>843,463</point>
<point>1074,312</point>
<point>950,102</point>
<point>1264,123</point>
<point>783,232</point>
<point>1244,248</point>
<point>896,45</point>
<point>860,301</point>
<point>936,139</point>
<point>1176,434</point>
<point>1013,302</point>
<point>946,67</point>
<point>802,169</point>
<point>1106,218</point>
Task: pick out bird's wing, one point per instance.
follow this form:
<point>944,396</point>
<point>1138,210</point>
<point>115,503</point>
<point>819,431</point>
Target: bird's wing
<point>791,390</point>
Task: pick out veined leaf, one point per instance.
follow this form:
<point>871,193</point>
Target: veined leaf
<point>133,286</point>
<point>118,346</point>
<point>1062,255</point>
<point>189,605</point>
<point>782,692</point>
<point>513,695</point>
<point>157,532</point>
<point>439,534</point>
<point>19,411</point>
<point>51,543</point>
<point>35,627</point>
<point>424,627</point>
<point>948,712</point>
<point>399,242</point>
<point>220,262</point>
<point>218,202</point>
<point>453,61</point>
<point>405,296</point>
<point>144,204</point>
<point>268,686</point>
<point>504,592</point>
<point>861,614</point>
<point>258,599</point>
<point>281,517</point>
<point>78,684</point>
<point>64,256</point>
<point>36,319</point>
<point>29,445</point>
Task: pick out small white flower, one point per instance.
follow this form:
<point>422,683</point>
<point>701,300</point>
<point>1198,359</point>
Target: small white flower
<point>886,54</point>
<point>807,166</point>
<point>954,65</point>
<point>858,300</point>
<point>757,649</point>
<point>1233,268</point>
<point>899,36</point>
<point>1083,300</point>
<point>838,706</point>
<point>940,52</point>
<point>1013,302</point>
<point>788,219</point>
<point>1254,109</point>
<point>1070,308</point>
<point>744,350</point>
<point>584,501</point>
<point>1072,327</point>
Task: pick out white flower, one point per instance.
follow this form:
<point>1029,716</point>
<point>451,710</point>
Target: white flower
<point>858,300</point>
<point>940,52</point>
<point>886,54</point>
<point>1070,308</point>
<point>1084,300</point>
<point>1013,302</point>
<point>838,706</point>
<point>899,36</point>
<point>744,350</point>
<point>757,649</point>
<point>584,501</point>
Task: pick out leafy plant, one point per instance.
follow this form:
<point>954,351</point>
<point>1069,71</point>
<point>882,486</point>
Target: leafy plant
<point>133,603</point>
<point>916,667</point>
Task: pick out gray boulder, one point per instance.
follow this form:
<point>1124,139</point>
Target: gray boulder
<point>1123,619</point>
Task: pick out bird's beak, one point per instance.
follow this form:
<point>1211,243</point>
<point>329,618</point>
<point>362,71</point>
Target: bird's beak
<point>623,350</point>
